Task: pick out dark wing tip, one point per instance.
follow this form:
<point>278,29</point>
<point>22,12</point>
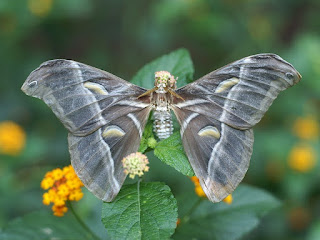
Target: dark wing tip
<point>290,72</point>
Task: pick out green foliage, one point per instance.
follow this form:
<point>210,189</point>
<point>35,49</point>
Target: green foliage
<point>227,222</point>
<point>148,133</point>
<point>315,232</point>
<point>171,152</point>
<point>215,33</point>
<point>177,63</point>
<point>43,225</point>
<point>141,211</point>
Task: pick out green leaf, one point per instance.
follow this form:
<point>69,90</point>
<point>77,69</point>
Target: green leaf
<point>43,225</point>
<point>177,63</point>
<point>227,222</point>
<point>171,152</point>
<point>141,211</point>
<point>147,133</point>
<point>314,232</point>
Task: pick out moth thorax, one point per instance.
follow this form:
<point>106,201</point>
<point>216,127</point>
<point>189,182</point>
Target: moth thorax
<point>162,124</point>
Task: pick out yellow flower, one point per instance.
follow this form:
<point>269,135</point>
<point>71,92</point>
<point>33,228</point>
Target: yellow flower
<point>46,199</point>
<point>199,191</point>
<point>63,190</point>
<point>135,164</point>
<point>306,128</point>
<point>302,158</point>
<point>59,201</point>
<point>40,8</point>
<point>47,183</point>
<point>57,174</point>
<point>12,138</point>
<point>76,195</point>
<point>228,199</point>
<point>62,185</point>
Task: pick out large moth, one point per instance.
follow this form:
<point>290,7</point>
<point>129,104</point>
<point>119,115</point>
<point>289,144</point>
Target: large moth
<point>106,115</point>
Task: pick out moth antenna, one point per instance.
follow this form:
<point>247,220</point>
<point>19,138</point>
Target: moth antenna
<point>175,94</point>
<point>147,92</point>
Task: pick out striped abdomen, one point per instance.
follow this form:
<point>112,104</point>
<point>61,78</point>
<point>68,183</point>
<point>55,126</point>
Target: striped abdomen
<point>162,124</point>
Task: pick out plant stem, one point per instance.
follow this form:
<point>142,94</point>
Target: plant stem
<point>186,217</point>
<point>94,236</point>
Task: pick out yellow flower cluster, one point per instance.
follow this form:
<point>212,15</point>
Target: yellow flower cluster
<point>306,128</point>
<point>197,187</point>
<point>62,185</point>
<point>199,191</point>
<point>12,138</point>
<point>135,164</point>
<point>302,158</point>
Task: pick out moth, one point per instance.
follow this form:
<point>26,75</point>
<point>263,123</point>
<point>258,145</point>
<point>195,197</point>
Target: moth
<point>106,115</point>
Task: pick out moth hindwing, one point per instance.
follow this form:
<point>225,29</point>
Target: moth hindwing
<point>105,117</point>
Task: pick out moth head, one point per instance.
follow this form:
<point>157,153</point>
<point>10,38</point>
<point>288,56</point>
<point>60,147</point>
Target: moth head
<point>164,81</point>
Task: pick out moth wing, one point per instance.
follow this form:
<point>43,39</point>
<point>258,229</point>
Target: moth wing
<point>84,98</point>
<point>218,112</point>
<point>97,157</point>
<point>102,113</point>
<point>240,93</point>
<point>219,154</point>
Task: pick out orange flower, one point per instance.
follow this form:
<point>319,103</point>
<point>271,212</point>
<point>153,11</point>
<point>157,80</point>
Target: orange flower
<point>178,221</point>
<point>199,191</point>
<point>12,138</point>
<point>62,185</point>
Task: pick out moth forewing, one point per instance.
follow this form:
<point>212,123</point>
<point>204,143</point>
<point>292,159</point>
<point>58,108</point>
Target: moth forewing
<point>103,114</point>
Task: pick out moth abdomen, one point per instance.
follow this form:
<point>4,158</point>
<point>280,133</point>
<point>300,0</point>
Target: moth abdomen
<point>162,124</point>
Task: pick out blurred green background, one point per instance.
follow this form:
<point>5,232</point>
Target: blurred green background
<point>120,37</point>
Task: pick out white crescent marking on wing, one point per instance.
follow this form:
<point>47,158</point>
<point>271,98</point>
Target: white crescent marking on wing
<point>233,94</point>
<point>226,84</point>
<point>96,88</point>
<point>111,161</point>
<point>186,122</point>
<point>209,131</point>
<point>216,149</point>
<point>136,123</point>
<point>133,103</point>
<point>93,99</point>
<point>113,131</point>
<point>190,102</point>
